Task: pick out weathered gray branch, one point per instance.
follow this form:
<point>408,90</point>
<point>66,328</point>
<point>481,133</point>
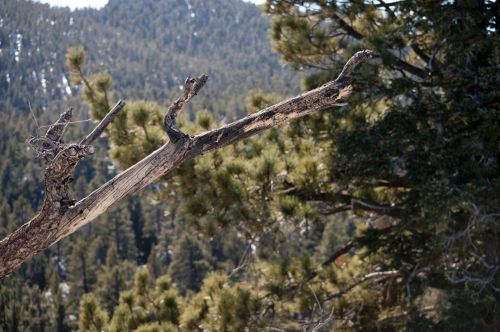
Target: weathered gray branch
<point>59,217</point>
<point>191,88</point>
<point>98,130</point>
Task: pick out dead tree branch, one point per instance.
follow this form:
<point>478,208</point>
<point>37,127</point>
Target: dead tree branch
<point>61,216</point>
<point>191,88</point>
<point>99,129</point>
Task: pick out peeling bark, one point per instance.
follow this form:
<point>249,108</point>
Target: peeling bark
<point>60,216</point>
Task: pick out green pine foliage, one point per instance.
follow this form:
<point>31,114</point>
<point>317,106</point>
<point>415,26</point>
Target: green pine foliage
<point>189,264</point>
<point>92,318</point>
<point>419,135</point>
<point>145,308</point>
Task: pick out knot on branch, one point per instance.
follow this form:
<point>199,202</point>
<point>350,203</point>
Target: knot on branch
<point>192,86</point>
<point>68,156</point>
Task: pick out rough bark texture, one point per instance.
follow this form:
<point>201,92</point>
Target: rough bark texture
<point>60,216</point>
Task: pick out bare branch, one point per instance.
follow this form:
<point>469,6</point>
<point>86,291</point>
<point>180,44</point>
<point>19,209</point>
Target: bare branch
<point>323,323</point>
<point>191,88</point>
<point>243,260</point>
<point>397,316</point>
<point>103,124</point>
<point>332,258</point>
<point>421,54</point>
<point>59,217</point>
<point>382,209</point>
<point>341,251</point>
<point>346,27</point>
<point>353,62</point>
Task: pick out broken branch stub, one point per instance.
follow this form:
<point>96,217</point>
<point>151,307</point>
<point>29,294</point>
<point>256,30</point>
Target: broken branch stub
<point>59,217</point>
<point>191,88</point>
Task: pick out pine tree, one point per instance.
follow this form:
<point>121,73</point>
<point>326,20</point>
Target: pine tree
<point>145,308</point>
<point>189,264</point>
<point>114,277</point>
<point>92,318</point>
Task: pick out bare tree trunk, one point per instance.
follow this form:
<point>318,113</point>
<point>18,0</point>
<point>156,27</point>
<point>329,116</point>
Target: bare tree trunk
<point>61,216</point>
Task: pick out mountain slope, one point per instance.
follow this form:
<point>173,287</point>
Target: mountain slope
<point>149,47</point>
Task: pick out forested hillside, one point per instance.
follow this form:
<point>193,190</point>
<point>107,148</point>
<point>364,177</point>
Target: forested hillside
<point>148,47</point>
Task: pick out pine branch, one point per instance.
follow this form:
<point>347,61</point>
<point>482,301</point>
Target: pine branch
<point>362,280</point>
<point>399,63</point>
<point>347,202</point>
<point>59,216</point>
<point>332,258</point>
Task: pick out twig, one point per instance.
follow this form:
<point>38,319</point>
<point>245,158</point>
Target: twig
<point>34,117</point>
<point>57,130</point>
<point>324,322</point>
<point>243,260</point>
<point>410,279</point>
<point>70,122</point>
<point>317,301</point>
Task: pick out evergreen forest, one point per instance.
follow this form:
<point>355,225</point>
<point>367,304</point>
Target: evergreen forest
<point>380,214</point>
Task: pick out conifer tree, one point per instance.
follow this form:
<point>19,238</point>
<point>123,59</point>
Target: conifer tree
<point>189,264</point>
<point>114,277</point>
<point>92,318</point>
<point>145,308</point>
<point>411,165</point>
